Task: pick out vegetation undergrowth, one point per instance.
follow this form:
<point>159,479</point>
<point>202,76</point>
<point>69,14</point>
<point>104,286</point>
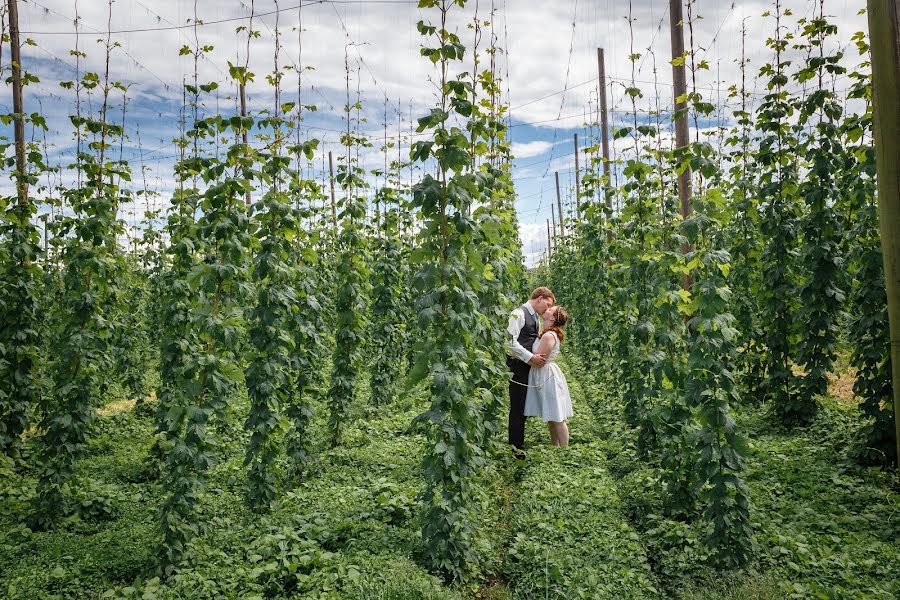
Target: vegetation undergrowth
<point>347,531</point>
<point>570,537</point>
<point>581,522</point>
<point>824,527</point>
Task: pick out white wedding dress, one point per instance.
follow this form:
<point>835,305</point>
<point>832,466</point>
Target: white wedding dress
<point>548,393</point>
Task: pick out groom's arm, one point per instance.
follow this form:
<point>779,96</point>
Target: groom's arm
<point>546,345</point>
<point>516,322</point>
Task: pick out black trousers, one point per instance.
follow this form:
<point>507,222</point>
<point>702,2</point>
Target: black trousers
<point>517,391</point>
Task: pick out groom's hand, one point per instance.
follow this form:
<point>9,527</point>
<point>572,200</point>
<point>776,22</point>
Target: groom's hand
<point>537,360</point>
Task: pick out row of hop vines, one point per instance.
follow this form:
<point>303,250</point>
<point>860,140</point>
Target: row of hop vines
<point>237,288</point>
<point>746,300</point>
<point>91,270</point>
<point>467,265</point>
<point>352,293</point>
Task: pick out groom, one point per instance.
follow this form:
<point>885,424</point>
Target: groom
<point>523,331</point>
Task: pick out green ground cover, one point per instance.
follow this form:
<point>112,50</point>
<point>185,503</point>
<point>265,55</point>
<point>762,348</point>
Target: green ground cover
<point>585,522</point>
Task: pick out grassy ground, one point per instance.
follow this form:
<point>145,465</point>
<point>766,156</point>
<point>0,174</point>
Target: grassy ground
<point>825,527</point>
<point>582,522</point>
<point>347,531</point>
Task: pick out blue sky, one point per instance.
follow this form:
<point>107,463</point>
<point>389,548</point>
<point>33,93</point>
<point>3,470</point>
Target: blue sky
<point>549,66</point>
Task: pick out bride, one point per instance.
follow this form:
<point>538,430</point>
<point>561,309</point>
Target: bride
<point>548,393</point>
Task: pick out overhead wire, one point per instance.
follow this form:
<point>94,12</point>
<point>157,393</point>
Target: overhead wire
<point>362,60</point>
<point>512,124</point>
<point>233,19</point>
<point>568,68</point>
<point>78,22</point>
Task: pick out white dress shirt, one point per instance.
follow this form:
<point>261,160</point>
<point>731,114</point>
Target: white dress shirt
<point>516,323</point>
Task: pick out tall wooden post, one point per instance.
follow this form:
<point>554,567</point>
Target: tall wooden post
<point>577,186</point>
<point>333,202</point>
<point>549,240</point>
<point>604,126</point>
<point>884,34</point>
<point>244,134</point>
<point>559,202</point>
<point>681,123</point>
<point>18,109</point>
<point>553,217</point>
<point>43,218</point>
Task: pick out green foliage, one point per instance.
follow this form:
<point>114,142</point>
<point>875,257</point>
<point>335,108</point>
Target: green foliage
<point>210,363</point>
<point>91,269</point>
<point>173,316</point>
<point>867,330</point>
<point>824,526</point>
<point>452,354</point>
<point>388,328</point>
<point>742,229</point>
<point>778,192</point>
<point>821,298</point>
<point>710,388</point>
<point>275,384</point>
<point>351,297</point>
<point>286,563</point>
<point>570,504</point>
<point>308,330</point>
<point>133,349</point>
<point>271,383</point>
<point>500,246</point>
<point>20,277</point>
<point>682,323</point>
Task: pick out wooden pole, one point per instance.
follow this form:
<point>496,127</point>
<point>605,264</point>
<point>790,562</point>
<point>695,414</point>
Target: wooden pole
<point>244,135</point>
<point>559,202</point>
<point>553,216</point>
<point>681,123</point>
<point>333,202</point>
<point>549,240</point>
<point>884,34</point>
<point>604,126</point>
<point>577,187</point>
<point>44,219</point>
<point>18,109</point>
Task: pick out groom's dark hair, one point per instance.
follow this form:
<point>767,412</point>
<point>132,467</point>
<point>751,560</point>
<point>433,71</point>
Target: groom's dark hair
<point>543,292</point>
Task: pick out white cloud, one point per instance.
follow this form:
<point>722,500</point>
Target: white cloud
<point>529,149</point>
<point>534,242</point>
<point>382,46</point>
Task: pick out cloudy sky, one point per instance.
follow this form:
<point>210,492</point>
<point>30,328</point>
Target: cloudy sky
<point>549,63</point>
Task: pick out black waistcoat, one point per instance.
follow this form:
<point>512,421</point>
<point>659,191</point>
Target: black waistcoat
<point>529,332</point>
<point>527,335</point>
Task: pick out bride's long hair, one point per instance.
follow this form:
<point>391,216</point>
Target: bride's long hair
<point>562,317</point>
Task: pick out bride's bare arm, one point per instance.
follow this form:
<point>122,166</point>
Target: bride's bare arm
<point>546,344</point>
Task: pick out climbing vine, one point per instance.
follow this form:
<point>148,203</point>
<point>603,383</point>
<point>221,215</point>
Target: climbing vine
<point>210,371</point>
<point>388,330</point>
<point>91,272</point>
<point>20,287</point>
<point>821,297</point>
<point>710,388</point>
<point>450,272</point>
<point>270,375</point>
<point>778,190</point>
<point>867,331</point>
<point>353,270</point>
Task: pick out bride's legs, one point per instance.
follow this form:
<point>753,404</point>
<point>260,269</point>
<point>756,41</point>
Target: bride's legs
<point>562,434</point>
<point>551,426</point>
<point>559,433</point>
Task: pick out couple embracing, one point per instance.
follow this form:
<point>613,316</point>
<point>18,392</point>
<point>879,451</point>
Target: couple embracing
<point>538,387</point>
